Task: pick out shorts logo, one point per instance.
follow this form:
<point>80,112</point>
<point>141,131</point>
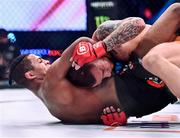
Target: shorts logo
<point>83,48</point>
<point>155,82</point>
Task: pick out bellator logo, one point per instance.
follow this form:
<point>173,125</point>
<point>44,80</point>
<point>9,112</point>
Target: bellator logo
<point>83,48</point>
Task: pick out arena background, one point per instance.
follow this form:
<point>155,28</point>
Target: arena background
<point>47,27</point>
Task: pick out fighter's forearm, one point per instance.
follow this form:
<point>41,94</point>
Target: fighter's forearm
<point>126,31</point>
<point>108,27</point>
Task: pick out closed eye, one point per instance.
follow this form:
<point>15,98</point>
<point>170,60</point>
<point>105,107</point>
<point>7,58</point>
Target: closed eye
<point>40,60</point>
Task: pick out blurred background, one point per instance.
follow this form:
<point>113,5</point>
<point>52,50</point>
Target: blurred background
<point>47,27</point>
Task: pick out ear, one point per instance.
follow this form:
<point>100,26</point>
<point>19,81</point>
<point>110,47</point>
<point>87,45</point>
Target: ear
<point>30,75</point>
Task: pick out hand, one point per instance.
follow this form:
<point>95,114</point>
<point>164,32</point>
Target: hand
<point>113,117</point>
<point>85,52</point>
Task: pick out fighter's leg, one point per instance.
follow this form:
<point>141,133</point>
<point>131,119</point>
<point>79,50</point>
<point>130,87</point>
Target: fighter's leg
<point>164,62</point>
<point>169,50</point>
<point>163,30</point>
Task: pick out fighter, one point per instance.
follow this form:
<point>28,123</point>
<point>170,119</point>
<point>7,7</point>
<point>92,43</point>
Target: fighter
<point>140,45</point>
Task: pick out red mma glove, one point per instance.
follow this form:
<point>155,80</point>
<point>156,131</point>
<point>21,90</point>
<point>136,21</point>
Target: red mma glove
<point>114,118</point>
<point>85,52</point>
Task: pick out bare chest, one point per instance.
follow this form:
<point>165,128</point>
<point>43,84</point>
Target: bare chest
<point>80,106</point>
<point>84,107</point>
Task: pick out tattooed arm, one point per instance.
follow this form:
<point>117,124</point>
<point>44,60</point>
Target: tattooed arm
<point>126,31</point>
<point>87,52</point>
<point>108,27</point>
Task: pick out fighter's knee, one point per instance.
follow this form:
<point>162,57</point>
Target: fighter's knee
<point>175,8</point>
<point>149,60</point>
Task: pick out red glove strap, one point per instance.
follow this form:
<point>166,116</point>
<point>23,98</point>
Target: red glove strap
<point>99,49</point>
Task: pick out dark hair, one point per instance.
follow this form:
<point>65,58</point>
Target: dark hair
<point>3,32</point>
<point>82,77</point>
<point>19,66</point>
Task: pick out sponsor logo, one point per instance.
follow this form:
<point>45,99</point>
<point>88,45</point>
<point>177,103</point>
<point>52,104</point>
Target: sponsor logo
<point>83,48</point>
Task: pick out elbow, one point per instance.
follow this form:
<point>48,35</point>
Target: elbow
<point>139,22</point>
<point>175,9</point>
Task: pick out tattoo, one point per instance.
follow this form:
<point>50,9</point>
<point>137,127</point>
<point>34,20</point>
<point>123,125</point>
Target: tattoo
<point>106,28</point>
<point>128,30</point>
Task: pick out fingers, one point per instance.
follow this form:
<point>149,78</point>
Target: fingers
<point>110,109</point>
<point>78,63</point>
<point>107,110</point>
<point>118,110</point>
<point>75,65</point>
